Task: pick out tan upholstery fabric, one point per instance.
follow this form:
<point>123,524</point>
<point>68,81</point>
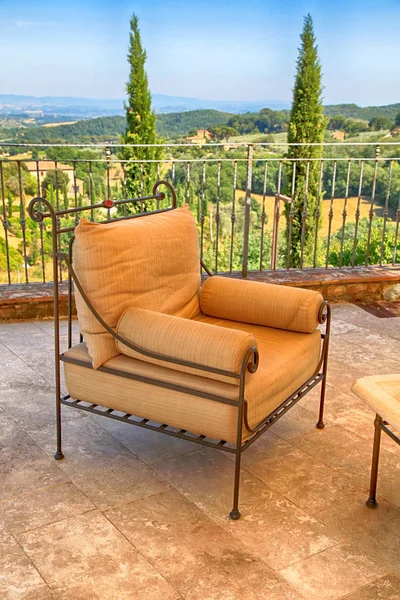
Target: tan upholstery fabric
<point>185,339</point>
<point>282,307</point>
<point>144,369</point>
<point>150,262</point>
<point>382,394</point>
<point>287,360</point>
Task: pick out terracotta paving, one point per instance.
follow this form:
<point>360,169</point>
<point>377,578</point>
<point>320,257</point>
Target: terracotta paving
<point>131,514</point>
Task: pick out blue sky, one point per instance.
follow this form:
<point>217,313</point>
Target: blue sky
<point>218,50</point>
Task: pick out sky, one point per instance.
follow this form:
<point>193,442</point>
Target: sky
<point>218,50</point>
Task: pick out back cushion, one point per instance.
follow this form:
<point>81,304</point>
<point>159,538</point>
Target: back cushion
<point>147,262</point>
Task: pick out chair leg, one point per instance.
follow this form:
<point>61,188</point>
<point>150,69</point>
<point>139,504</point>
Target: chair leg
<point>321,424</point>
<point>235,512</point>
<point>58,455</point>
<point>371,502</point>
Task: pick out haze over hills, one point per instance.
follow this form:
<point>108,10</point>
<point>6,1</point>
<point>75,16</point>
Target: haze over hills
<point>87,107</point>
<point>72,119</point>
<point>69,108</point>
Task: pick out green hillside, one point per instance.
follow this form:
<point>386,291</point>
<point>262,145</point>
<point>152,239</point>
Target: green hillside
<point>352,111</point>
<point>91,130</point>
<point>110,128</point>
<point>178,124</point>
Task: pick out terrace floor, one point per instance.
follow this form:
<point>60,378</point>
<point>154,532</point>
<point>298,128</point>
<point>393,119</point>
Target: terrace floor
<point>132,514</point>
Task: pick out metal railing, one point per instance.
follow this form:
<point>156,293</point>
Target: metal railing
<point>257,207</point>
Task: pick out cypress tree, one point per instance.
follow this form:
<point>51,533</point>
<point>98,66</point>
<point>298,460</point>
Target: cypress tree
<point>141,121</point>
<point>307,125</point>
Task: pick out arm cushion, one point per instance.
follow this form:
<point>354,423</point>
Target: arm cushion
<point>278,306</point>
<point>183,339</point>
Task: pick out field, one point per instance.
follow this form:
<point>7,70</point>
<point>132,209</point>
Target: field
<point>338,205</point>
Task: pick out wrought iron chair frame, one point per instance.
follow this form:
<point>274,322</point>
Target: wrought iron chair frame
<point>249,364</point>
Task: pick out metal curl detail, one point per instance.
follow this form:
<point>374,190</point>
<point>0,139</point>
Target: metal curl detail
<point>170,188</point>
<point>38,215</point>
<point>252,366</point>
<point>323,312</point>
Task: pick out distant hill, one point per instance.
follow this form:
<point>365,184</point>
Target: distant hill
<point>168,104</point>
<point>76,108</point>
<point>180,123</point>
<point>93,130</point>
<point>90,107</point>
<point>110,128</point>
<point>352,111</point>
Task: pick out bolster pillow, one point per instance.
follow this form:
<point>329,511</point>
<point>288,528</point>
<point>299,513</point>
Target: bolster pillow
<point>278,306</point>
<point>184,339</point>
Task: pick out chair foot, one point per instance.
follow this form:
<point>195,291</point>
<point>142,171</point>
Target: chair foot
<point>372,503</point>
<point>320,425</point>
<point>234,514</point>
<point>59,456</point>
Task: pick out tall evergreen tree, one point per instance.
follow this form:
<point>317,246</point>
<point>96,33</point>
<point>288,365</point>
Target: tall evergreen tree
<point>141,121</point>
<point>307,125</point>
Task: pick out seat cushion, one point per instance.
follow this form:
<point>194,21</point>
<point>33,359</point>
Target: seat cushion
<point>382,394</point>
<point>287,361</point>
<point>148,262</point>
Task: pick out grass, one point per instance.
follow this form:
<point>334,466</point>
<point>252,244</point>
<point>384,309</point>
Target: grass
<point>337,206</point>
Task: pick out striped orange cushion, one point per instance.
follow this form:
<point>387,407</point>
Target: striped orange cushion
<point>147,262</point>
<point>278,306</point>
<point>185,340</point>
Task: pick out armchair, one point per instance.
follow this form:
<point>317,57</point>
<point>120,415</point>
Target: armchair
<point>216,364</point>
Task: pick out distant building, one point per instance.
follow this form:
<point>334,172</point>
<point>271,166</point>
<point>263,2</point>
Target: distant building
<point>338,135</point>
<point>395,132</point>
<point>201,137</point>
<point>48,165</point>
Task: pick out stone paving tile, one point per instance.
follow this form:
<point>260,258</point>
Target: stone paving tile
<point>272,526</point>
<point>149,446</point>
<point>203,561</point>
<point>298,421</point>
<point>24,467</point>
<point>339,449</point>
<point>20,337</point>
<point>342,373</point>
<point>47,325</point>
<point>305,480</point>
<point>38,408</point>
<point>352,454</point>
<point>15,372</point>
<point>363,357</point>
<point>43,507</point>
<point>387,588</point>
<point>106,471</point>
<point>33,346</point>
<point>19,580</point>
<point>376,532</point>
<point>357,316</point>
<point>385,344</point>
<point>85,557</point>
<point>333,573</point>
<point>351,413</point>
<point>389,478</point>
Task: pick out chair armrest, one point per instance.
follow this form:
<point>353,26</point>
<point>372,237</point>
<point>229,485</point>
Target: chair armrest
<point>278,306</point>
<point>185,345</point>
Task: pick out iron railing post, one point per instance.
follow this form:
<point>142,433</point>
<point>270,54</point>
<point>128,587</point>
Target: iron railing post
<point>247,209</point>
